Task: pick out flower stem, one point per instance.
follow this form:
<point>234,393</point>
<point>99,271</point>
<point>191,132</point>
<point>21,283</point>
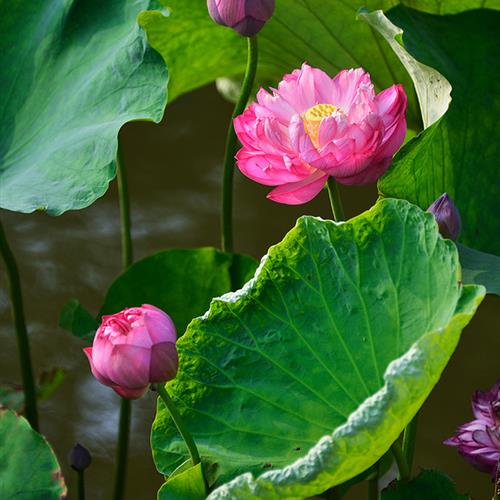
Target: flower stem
<point>179,423</point>
<point>81,485</point>
<point>409,440</point>
<point>23,346</point>
<point>122,451</point>
<point>373,488</point>
<point>335,200</point>
<point>232,147</point>
<point>127,259</point>
<point>126,234</point>
<point>404,470</point>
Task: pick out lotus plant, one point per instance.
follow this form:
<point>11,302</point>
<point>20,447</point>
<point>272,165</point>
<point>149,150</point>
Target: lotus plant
<point>447,216</point>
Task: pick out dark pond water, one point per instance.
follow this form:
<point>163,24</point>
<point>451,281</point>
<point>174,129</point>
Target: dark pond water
<point>174,173</point>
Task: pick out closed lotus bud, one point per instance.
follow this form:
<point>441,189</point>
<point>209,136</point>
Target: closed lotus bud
<point>79,457</point>
<point>247,17</point>
<point>478,441</point>
<point>134,348</point>
<point>447,216</point>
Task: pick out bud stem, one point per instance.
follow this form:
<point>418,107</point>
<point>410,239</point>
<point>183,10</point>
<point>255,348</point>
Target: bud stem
<point>409,439</point>
<point>179,423</point>
<point>232,147</point>
<point>335,200</point>
<point>81,485</point>
<point>404,470</point>
<point>127,259</point>
<point>23,346</point>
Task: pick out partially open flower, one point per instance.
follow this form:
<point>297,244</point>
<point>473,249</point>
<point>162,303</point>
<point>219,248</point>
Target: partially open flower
<point>134,348</point>
<point>478,441</point>
<point>247,17</point>
<point>447,216</point>
<point>314,126</point>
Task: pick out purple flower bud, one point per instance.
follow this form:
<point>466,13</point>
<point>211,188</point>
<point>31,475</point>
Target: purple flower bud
<point>79,457</point>
<point>478,441</point>
<point>247,17</point>
<point>447,216</point>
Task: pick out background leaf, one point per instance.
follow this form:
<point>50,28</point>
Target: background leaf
<point>428,484</point>
<point>73,73</point>
<point>459,153</point>
<point>323,358</point>
<point>28,466</point>
<point>480,268</point>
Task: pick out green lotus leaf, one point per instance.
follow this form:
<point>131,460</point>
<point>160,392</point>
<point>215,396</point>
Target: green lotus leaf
<point>480,268</point>
<point>428,484</point>
<point>28,466</point>
<point>305,377</point>
<point>72,74</point>
<point>458,153</point>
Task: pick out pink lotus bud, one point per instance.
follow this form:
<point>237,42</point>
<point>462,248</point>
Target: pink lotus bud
<point>314,126</point>
<point>247,17</point>
<point>447,216</point>
<point>134,348</point>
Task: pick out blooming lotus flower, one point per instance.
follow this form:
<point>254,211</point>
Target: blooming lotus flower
<point>478,441</point>
<point>247,17</point>
<point>447,216</point>
<point>134,348</point>
<point>314,126</point>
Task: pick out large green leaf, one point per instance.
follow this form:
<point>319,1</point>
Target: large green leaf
<point>459,153</point>
<point>323,358</point>
<point>325,33</point>
<point>73,72</point>
<point>28,467</point>
<point>480,268</point>
<point>428,484</point>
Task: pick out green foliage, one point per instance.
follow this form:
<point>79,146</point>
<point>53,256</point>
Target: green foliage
<point>28,467</point>
<point>323,358</point>
<point>180,281</point>
<point>324,33</point>
<point>480,268</point>
<point>459,153</point>
<point>187,483</point>
<point>73,73</point>
<point>428,484</point>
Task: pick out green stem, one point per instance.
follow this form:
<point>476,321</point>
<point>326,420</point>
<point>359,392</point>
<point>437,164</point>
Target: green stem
<point>232,147</point>
<point>23,346</point>
<point>81,485</point>
<point>404,470</point>
<point>409,440</point>
<point>179,423</point>
<point>122,451</point>
<point>373,488</point>
<point>126,234</point>
<point>335,200</point>
<point>127,259</point>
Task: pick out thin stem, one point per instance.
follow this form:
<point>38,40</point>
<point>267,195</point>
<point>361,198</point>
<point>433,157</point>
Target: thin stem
<point>127,259</point>
<point>409,440</point>
<point>373,484</point>
<point>121,176</point>
<point>81,485</point>
<point>23,346</point>
<point>404,470</point>
<point>335,200</point>
<point>232,147</point>
<point>179,423</point>
<point>122,451</point>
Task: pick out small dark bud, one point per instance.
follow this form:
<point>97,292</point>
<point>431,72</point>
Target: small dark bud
<point>79,457</point>
<point>447,216</point>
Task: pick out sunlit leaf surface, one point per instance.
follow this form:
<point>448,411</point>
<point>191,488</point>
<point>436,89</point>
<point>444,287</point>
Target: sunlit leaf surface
<point>323,358</point>
<point>72,74</point>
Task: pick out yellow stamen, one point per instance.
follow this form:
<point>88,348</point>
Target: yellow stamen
<point>312,119</point>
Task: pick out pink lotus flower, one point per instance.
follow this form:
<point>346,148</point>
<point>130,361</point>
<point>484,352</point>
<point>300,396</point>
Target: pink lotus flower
<point>479,441</point>
<point>132,349</point>
<point>314,126</point>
